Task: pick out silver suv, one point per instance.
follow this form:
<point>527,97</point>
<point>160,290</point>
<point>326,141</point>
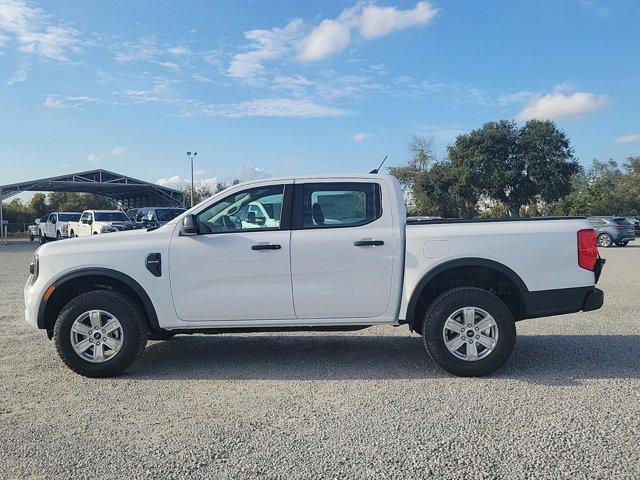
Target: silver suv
<point>613,230</point>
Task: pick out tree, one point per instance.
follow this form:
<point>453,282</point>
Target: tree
<point>515,165</point>
<point>38,205</point>
<point>420,158</point>
<point>604,189</point>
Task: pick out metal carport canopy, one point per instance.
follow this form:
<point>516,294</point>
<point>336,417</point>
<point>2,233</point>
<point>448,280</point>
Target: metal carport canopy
<point>131,192</point>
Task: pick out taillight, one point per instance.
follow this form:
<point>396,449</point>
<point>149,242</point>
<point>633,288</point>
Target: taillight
<point>587,249</point>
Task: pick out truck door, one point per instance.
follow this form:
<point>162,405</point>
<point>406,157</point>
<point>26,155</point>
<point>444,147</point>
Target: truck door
<point>50,226</point>
<point>85,224</point>
<point>234,270</point>
<point>342,250</point>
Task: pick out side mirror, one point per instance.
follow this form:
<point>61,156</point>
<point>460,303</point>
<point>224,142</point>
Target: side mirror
<point>251,217</point>
<point>261,220</point>
<point>189,226</point>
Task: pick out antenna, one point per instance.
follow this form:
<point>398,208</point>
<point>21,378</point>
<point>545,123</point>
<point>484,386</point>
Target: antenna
<point>376,170</point>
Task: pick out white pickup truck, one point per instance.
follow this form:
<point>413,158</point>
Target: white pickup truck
<point>94,222</point>
<point>342,256</point>
<point>57,226</point>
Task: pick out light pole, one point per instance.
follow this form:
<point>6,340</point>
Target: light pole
<point>191,157</point>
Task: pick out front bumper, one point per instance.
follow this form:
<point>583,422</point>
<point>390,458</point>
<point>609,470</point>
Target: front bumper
<point>31,297</point>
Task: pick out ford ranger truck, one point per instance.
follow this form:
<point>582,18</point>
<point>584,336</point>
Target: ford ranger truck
<point>57,225</point>
<point>94,222</point>
<point>341,256</point>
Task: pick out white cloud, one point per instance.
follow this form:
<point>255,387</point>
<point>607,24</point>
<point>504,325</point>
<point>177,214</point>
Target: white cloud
<point>379,21</point>
<point>628,139</point>
<point>33,30</point>
<point>20,75</point>
<point>145,49</point>
<point>179,51</point>
<point>329,37</point>
<point>562,104</point>
<point>265,45</point>
<point>515,97</point>
<point>160,92</point>
<point>249,172</point>
<point>118,150</point>
<point>172,182</point>
<point>94,157</point>
<point>359,137</point>
<point>273,107</point>
<point>65,101</point>
<point>372,21</point>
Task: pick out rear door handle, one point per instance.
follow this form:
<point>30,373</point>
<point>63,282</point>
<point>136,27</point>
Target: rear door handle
<point>266,246</point>
<point>365,242</point>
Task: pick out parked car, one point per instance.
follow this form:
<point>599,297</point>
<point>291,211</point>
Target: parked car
<point>94,222</point>
<point>155,216</point>
<point>131,213</point>
<point>462,284</point>
<point>34,230</point>
<point>56,225</point>
<point>635,221</point>
<point>613,230</point>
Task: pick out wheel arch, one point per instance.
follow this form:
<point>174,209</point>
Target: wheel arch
<point>467,272</point>
<point>79,281</point>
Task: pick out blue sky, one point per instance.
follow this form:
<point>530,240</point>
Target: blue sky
<point>276,88</point>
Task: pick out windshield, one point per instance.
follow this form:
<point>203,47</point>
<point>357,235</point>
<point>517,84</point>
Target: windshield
<point>166,214</point>
<point>68,217</point>
<point>111,217</point>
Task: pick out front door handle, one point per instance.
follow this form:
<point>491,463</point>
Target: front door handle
<point>365,242</point>
<point>266,246</point>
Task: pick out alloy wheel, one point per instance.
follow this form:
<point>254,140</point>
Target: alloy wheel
<point>470,333</point>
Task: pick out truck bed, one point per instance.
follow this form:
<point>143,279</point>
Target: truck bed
<point>415,221</point>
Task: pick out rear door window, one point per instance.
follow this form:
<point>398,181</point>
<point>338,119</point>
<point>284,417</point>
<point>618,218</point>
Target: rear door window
<point>340,204</point>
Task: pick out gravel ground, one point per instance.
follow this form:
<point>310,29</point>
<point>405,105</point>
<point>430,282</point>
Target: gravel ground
<point>363,405</point>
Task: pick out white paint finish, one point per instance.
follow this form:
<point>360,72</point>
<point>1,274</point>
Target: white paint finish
<point>219,277</point>
<point>220,282</point>
<point>332,278</point>
<point>436,248</point>
<point>543,253</point>
<point>122,251</point>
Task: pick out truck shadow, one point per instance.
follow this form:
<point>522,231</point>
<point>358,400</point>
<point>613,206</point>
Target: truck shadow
<point>541,359</point>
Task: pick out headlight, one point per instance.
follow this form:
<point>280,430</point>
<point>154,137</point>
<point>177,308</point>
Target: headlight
<point>34,268</point>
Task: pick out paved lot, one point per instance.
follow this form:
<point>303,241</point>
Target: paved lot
<point>362,405</point>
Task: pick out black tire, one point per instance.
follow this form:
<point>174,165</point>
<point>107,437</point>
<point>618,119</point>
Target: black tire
<point>444,306</point>
<point>58,236</point>
<point>605,240</point>
<point>160,335</point>
<point>43,238</point>
<point>134,330</point>
<point>31,238</point>
<point>623,243</point>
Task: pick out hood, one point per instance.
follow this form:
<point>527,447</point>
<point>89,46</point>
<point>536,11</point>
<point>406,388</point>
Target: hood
<point>105,242</point>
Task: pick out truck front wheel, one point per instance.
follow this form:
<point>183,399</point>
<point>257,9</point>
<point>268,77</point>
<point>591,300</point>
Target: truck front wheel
<point>100,333</point>
<point>469,332</point>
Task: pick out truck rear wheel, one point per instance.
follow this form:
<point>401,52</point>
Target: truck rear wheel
<point>100,333</point>
<point>469,332</point>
